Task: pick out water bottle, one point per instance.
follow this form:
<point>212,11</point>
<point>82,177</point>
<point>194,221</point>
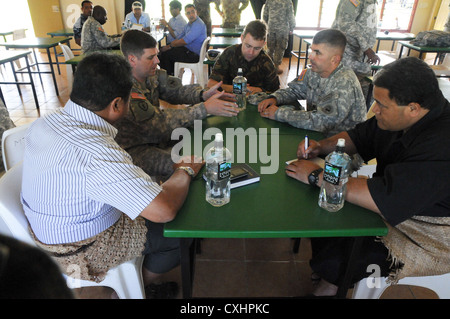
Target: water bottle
<point>153,30</point>
<point>240,89</point>
<point>218,171</point>
<point>124,27</point>
<point>129,24</point>
<point>335,177</point>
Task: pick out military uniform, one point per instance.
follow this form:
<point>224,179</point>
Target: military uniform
<point>358,20</point>
<point>231,10</point>
<point>145,133</point>
<point>204,12</point>
<point>94,38</point>
<point>279,16</point>
<point>5,124</point>
<point>334,104</point>
<point>261,72</point>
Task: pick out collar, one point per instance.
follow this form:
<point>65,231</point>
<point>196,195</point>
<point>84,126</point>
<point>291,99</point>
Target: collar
<point>89,119</point>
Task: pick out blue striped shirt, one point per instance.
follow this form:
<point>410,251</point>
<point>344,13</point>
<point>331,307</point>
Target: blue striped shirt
<point>76,178</point>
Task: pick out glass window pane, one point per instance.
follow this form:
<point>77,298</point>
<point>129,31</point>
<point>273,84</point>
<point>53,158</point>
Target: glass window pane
<point>396,14</point>
<point>328,13</point>
<point>307,13</point>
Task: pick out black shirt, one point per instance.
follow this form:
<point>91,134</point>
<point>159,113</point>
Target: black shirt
<point>413,168</point>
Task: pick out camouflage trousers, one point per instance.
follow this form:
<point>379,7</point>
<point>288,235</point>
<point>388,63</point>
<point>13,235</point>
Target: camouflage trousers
<point>276,45</point>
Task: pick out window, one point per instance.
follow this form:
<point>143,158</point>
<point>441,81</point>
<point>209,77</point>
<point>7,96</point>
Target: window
<point>396,15</point>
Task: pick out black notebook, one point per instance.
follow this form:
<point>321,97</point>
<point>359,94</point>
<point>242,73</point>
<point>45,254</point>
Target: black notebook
<point>241,174</point>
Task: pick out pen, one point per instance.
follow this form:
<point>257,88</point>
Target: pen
<point>306,144</point>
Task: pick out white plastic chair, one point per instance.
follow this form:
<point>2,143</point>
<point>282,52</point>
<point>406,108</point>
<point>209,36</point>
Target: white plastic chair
<point>198,68</point>
<point>439,284</point>
<point>125,279</point>
<point>13,145</point>
<point>17,35</point>
<point>68,54</point>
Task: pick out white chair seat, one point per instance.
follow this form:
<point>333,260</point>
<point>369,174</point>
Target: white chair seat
<point>368,289</point>
<point>125,279</point>
<point>198,68</point>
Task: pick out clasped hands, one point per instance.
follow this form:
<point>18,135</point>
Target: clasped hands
<point>301,168</point>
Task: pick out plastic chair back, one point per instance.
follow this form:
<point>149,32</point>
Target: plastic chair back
<point>13,145</point>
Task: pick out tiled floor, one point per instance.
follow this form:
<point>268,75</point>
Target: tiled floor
<point>225,267</point>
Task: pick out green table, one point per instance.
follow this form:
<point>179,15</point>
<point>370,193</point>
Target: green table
<point>10,57</point>
<point>66,32</point>
<point>40,43</point>
<point>276,207</point>
<point>223,42</point>
<point>5,33</point>
<point>393,36</point>
<point>421,50</point>
<point>226,32</point>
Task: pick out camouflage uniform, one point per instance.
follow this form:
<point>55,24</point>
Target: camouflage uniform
<point>203,11</point>
<point>5,124</point>
<point>334,104</point>
<point>145,133</point>
<point>94,38</point>
<point>231,12</point>
<point>358,20</point>
<point>260,72</point>
<point>279,15</point>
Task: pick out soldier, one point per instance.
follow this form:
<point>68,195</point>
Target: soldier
<point>93,37</point>
<point>5,124</point>
<point>86,12</point>
<point>358,21</point>
<point>145,133</point>
<point>334,98</point>
<point>231,12</point>
<point>204,12</point>
<point>279,15</point>
<point>256,65</point>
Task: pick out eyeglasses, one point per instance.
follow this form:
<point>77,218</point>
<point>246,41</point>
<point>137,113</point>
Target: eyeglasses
<point>248,46</point>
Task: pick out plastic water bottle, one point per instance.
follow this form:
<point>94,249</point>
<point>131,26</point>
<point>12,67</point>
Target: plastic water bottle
<point>153,30</point>
<point>335,177</point>
<point>240,89</point>
<point>218,171</point>
<point>124,27</point>
<point>129,24</point>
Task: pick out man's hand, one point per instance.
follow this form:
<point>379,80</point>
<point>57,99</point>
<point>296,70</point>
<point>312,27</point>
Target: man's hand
<point>266,103</point>
<point>215,89</point>
<point>372,57</point>
<point>301,169</point>
<point>215,105</point>
<point>269,112</point>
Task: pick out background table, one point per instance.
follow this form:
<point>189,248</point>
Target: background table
<point>393,36</point>
<point>421,50</point>
<point>226,32</point>
<point>40,43</point>
<point>223,42</point>
<point>301,35</point>
<point>10,57</point>
<point>276,207</point>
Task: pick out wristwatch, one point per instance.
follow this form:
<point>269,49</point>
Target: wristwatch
<point>188,170</point>
<point>313,177</point>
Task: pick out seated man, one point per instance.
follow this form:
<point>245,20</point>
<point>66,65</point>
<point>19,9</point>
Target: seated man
<point>86,12</point>
<point>176,24</point>
<point>256,65</point>
<point>334,98</point>
<point>409,136</point>
<point>145,133</point>
<point>136,16</point>
<point>93,37</point>
<point>86,202</point>
<point>187,47</point>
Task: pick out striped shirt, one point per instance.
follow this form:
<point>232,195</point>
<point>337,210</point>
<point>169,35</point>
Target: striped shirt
<point>76,178</point>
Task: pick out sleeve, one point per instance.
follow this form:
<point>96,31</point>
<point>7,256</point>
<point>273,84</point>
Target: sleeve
<point>194,33</point>
<point>220,70</point>
<point>296,90</point>
<point>104,40</point>
<point>271,78</point>
<point>363,136</point>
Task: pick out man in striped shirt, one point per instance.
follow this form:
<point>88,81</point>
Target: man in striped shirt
<point>85,200</point>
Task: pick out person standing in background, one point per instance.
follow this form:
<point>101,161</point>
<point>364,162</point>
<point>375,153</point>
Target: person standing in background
<point>279,16</point>
<point>204,12</point>
<point>231,12</point>
<point>86,12</point>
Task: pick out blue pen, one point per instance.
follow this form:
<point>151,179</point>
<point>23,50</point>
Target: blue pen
<point>306,145</point>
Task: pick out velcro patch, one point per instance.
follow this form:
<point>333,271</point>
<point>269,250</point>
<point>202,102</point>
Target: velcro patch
<point>356,3</point>
<point>301,76</point>
<point>137,96</point>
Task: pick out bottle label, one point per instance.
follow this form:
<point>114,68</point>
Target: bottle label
<point>224,170</point>
<point>237,88</point>
<point>332,173</point>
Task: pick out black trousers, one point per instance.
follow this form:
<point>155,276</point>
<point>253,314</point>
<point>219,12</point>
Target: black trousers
<point>178,54</point>
<point>330,256</point>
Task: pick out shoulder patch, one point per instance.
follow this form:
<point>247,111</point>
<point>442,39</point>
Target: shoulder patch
<point>301,76</point>
<point>356,3</point>
<point>101,29</point>
<point>137,96</point>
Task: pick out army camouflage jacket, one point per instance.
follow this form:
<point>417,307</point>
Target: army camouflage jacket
<point>94,38</point>
<point>260,72</point>
<point>146,122</point>
<point>358,20</point>
<point>334,104</point>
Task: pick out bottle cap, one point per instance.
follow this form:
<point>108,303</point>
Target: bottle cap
<point>341,142</point>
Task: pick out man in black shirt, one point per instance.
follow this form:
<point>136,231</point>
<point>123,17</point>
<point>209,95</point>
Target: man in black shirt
<point>410,138</point>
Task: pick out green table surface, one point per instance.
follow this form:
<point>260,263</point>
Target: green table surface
<point>77,58</point>
<point>227,32</point>
<point>424,49</point>
<point>39,43</point>
<point>67,32</point>
<point>277,206</point>
<point>223,42</point>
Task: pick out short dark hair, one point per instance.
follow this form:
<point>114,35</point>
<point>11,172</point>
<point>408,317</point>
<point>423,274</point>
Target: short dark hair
<point>85,1</point>
<point>409,80</point>
<point>135,41</point>
<point>175,4</point>
<point>257,29</point>
<point>99,79</point>
<point>331,37</point>
<point>189,5</point>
